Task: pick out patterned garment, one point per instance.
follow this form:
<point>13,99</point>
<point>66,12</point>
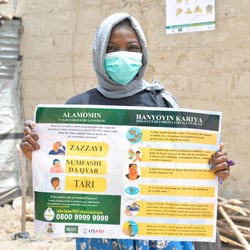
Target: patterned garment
<point>119,244</point>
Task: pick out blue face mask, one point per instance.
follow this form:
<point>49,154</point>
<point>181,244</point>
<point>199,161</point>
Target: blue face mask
<point>122,66</point>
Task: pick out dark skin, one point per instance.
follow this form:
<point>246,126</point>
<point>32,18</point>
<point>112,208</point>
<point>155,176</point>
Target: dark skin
<point>124,38</point>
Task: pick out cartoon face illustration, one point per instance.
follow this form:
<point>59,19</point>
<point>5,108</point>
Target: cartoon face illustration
<point>133,172</point>
<point>55,182</point>
<point>58,149</point>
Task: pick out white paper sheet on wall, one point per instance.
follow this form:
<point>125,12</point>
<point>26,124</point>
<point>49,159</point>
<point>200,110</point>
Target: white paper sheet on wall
<point>189,15</point>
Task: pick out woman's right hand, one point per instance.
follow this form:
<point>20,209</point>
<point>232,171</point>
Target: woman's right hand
<point>29,141</point>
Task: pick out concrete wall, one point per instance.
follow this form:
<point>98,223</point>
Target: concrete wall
<point>204,70</point>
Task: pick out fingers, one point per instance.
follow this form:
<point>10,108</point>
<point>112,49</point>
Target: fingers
<point>29,141</point>
<point>27,149</point>
<point>29,123</point>
<point>221,146</point>
<point>28,145</point>
<point>223,174</point>
<point>218,168</point>
<point>29,133</point>
<point>219,156</point>
<point>219,163</point>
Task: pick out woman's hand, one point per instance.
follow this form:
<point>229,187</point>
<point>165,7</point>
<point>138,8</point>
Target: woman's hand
<point>220,164</point>
<point>29,141</point>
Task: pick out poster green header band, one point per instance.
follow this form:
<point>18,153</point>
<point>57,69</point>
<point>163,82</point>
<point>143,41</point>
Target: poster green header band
<point>135,117</point>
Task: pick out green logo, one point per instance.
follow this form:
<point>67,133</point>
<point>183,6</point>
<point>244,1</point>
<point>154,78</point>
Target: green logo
<point>71,229</point>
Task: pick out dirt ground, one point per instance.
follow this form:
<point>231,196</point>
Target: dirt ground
<point>11,227</point>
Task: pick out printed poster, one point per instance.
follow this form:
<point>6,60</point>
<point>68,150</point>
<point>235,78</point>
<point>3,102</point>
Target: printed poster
<point>189,15</point>
<point>125,172</point>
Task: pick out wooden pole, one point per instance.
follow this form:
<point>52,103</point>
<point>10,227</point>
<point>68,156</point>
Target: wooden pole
<point>230,241</point>
<point>240,237</point>
<point>23,190</point>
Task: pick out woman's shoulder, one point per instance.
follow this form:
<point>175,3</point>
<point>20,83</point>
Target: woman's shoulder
<point>164,98</point>
<point>84,97</point>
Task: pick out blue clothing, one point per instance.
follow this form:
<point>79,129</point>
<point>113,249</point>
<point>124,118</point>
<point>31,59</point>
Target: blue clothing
<point>119,244</point>
<point>144,98</point>
<point>60,151</point>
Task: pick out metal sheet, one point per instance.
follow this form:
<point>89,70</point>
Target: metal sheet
<point>11,114</point>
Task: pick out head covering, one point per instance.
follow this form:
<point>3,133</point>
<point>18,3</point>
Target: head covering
<point>105,85</point>
<point>55,161</point>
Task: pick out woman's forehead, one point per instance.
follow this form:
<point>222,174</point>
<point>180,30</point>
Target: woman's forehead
<point>123,32</point>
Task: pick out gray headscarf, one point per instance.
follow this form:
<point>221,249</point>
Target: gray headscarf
<point>107,86</point>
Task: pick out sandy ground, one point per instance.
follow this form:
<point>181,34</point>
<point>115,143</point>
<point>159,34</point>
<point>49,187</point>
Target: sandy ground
<point>11,226</point>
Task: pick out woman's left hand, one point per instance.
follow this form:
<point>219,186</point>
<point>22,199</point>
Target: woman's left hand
<point>219,163</point>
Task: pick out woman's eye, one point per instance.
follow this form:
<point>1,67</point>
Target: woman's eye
<point>111,49</point>
<point>131,48</point>
<point>134,48</point>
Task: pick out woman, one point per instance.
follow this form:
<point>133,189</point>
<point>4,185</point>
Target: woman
<point>120,56</point>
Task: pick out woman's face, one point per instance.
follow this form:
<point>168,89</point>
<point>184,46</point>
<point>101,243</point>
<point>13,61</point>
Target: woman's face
<point>123,38</point>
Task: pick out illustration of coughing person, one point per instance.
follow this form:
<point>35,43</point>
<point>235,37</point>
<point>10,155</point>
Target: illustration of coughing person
<point>137,156</point>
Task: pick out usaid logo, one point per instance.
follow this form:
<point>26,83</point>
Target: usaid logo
<point>92,231</point>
